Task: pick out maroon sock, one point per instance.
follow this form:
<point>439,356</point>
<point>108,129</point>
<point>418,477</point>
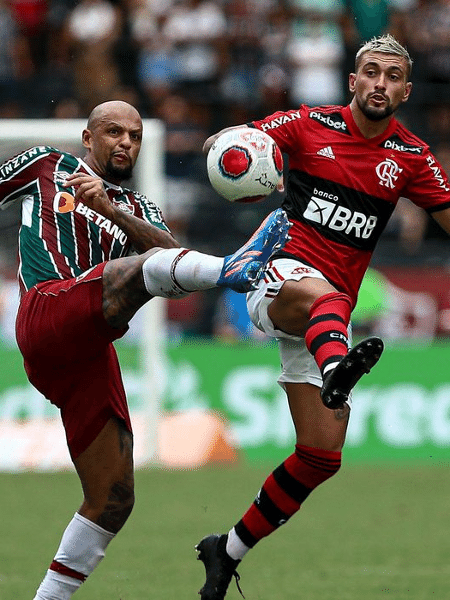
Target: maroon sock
<point>285,490</point>
<point>327,336</point>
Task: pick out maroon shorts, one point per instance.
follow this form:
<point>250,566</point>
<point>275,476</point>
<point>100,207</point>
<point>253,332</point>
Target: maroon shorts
<point>69,356</point>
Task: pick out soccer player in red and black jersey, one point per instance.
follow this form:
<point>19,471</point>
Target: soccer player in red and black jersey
<point>348,167</point>
<point>80,286</point>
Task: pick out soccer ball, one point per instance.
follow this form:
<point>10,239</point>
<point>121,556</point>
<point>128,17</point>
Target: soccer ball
<point>244,165</point>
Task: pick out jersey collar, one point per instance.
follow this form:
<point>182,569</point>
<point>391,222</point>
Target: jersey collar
<point>356,132</point>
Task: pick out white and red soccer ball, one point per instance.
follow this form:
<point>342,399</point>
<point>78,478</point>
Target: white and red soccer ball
<point>244,165</point>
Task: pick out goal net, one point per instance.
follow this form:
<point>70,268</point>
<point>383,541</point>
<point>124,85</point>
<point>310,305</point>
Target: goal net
<point>148,178</point>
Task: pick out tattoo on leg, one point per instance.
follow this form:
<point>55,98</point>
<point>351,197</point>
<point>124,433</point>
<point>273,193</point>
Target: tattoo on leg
<point>123,290</point>
<point>119,506</point>
<point>121,496</point>
<point>341,414</point>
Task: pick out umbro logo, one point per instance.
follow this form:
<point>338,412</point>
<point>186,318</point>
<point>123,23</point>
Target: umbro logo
<point>327,151</point>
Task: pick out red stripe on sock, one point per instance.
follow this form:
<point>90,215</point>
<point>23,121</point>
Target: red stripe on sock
<point>333,302</point>
<point>60,568</point>
<point>256,523</point>
<point>327,335</point>
<point>316,465</point>
<point>279,496</point>
<point>310,467</point>
<point>334,348</point>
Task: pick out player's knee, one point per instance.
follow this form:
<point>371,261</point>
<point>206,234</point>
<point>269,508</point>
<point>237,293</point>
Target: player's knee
<point>289,312</point>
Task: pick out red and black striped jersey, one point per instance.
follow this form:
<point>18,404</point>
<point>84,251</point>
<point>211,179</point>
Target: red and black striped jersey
<point>342,188</point>
<point>59,239</point>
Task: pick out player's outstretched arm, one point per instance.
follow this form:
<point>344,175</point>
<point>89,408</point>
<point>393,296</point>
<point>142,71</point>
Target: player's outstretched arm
<point>142,235</point>
<point>210,141</point>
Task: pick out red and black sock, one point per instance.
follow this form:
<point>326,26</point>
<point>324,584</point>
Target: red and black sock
<point>285,490</point>
<point>327,336</point>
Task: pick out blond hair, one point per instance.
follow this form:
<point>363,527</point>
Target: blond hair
<point>386,44</point>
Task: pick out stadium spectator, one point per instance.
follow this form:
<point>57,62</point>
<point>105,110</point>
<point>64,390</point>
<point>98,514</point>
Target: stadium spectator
<point>8,59</point>
<point>348,168</point>
<point>92,30</point>
<point>31,22</point>
<point>80,288</point>
<point>195,29</point>
<point>184,163</point>
<point>242,56</point>
<point>316,52</point>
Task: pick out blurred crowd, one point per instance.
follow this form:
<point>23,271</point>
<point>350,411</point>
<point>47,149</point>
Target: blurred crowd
<point>200,65</point>
<point>228,60</point>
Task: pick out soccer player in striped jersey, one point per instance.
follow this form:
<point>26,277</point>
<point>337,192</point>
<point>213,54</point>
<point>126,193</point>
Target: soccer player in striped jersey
<point>80,286</point>
<point>348,167</point>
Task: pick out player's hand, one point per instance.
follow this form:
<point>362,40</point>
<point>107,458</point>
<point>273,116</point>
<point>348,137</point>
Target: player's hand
<point>90,190</point>
<point>280,184</point>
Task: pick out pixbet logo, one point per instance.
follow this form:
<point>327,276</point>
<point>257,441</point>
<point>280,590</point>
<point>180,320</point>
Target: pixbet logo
<point>332,121</point>
<point>323,209</point>
<point>388,171</point>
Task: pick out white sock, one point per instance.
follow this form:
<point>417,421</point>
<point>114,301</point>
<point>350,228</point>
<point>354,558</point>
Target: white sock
<point>330,367</point>
<point>57,587</point>
<point>82,547</point>
<point>175,272</point>
<point>235,547</point>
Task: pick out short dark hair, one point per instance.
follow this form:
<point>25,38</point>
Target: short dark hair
<point>387,44</point>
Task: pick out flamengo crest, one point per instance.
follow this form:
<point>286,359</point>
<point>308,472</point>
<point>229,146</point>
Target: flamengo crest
<point>388,172</point>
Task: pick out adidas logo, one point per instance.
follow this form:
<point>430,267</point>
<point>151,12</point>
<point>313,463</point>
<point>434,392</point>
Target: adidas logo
<point>327,151</point>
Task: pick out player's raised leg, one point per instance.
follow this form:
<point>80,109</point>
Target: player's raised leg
<point>342,379</point>
<point>243,269</point>
<point>175,272</point>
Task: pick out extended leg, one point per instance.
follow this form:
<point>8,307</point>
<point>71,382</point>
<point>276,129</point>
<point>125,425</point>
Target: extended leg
<point>175,272</point>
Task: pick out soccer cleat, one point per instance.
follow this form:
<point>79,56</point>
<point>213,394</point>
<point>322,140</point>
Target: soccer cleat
<point>242,270</point>
<point>338,384</point>
<point>219,567</point>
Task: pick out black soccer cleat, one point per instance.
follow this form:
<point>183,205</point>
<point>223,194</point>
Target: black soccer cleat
<point>219,567</point>
<point>338,384</point>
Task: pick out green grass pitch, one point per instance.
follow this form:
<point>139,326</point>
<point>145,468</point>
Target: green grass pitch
<point>370,533</point>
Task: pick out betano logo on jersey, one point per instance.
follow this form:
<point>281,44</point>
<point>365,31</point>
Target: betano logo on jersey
<point>323,208</point>
<point>101,222</point>
<point>63,202</point>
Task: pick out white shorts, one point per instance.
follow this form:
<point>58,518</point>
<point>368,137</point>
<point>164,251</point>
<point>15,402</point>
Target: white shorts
<point>298,365</point>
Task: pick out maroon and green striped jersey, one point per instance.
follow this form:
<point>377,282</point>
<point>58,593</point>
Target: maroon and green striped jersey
<point>58,239</point>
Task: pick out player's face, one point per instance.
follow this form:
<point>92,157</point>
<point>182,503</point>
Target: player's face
<point>380,84</point>
<point>113,145</point>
